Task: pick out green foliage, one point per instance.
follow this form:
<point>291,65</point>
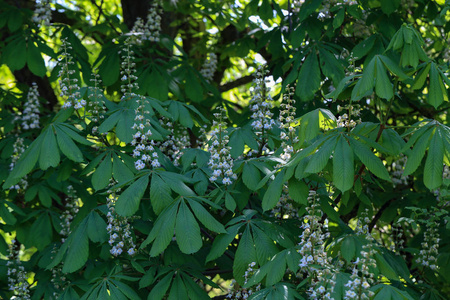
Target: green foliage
<point>326,175</point>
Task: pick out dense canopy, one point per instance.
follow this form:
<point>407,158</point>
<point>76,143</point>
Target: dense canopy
<point>245,149</point>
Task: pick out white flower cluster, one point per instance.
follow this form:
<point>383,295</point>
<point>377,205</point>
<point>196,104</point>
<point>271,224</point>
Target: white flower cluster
<point>69,86</point>
<point>96,105</point>
<point>241,293</point>
<point>142,140</point>
<point>30,115</point>
<point>17,277</point>
<point>324,12</point>
<point>427,256</point>
<point>362,278</point>
<point>220,162</point>
<point>174,144</point>
<point>261,104</point>
<point>42,13</point>
<point>315,261</point>
<point>397,172</point>
<point>71,204</point>
<point>18,149</point>
<point>209,67</point>
<point>287,116</point>
<point>129,85</point>
<point>284,208</point>
<point>446,172</point>
<point>346,120</point>
<point>119,228</point>
<point>152,28</point>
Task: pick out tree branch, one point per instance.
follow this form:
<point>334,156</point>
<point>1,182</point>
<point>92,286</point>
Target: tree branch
<point>236,83</point>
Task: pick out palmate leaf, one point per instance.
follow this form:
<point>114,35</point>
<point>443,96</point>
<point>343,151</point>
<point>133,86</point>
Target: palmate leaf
<point>102,174</point>
<point>418,152</point>
<point>129,200</point>
<point>372,162</point>
<point>434,164</point>
<point>320,159</point>
<point>273,193</point>
<point>245,255</point>
<point>49,155</point>
<point>222,241</point>
<point>205,217</point>
<point>187,231</point>
<point>160,289</point>
<point>162,231</point>
<point>308,78</point>
<point>313,121</point>
<point>78,248</point>
<point>343,165</point>
<point>160,195</point>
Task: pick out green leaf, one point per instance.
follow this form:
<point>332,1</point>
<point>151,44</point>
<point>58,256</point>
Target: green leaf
<point>176,183</point>
<point>160,195</point>
<point>389,6</point>
<point>331,67</point>
<point>102,174</point>
<point>437,91</point>
<point>434,164</point>
<point>110,68</point>
<point>372,162</point>
<point>222,241</point>
<point>96,228</point>
<point>393,67</point>
<point>78,250</point>
<point>308,78</point>
<point>277,269</point>
<point>185,117</point>
<point>49,155</point>
<point>339,18</point>
<point>230,203</point>
<point>264,245</point>
<point>251,176</point>
<point>148,278</point>
<point>385,268</point>
<point>320,159</point>
<point>187,231</point>
<point>67,146</point>
<point>383,86</point>
<point>126,290</point>
<point>273,193</point>
<point>421,77</point>
<point>206,218</point>
<point>193,88</point>
<point>245,255</point>
<point>162,231</point>
<point>128,202</point>
<point>41,231</point>
<point>72,133</point>
<point>160,289</point>
<point>15,53</point>
<point>343,165</point>
<point>110,122</point>
<point>120,170</point>
<point>178,289</point>
<point>348,248</point>
<point>366,83</point>
<point>194,291</point>
<point>298,191</point>
<point>6,215</point>
<point>124,128</point>
<point>415,158</point>
<point>35,61</point>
